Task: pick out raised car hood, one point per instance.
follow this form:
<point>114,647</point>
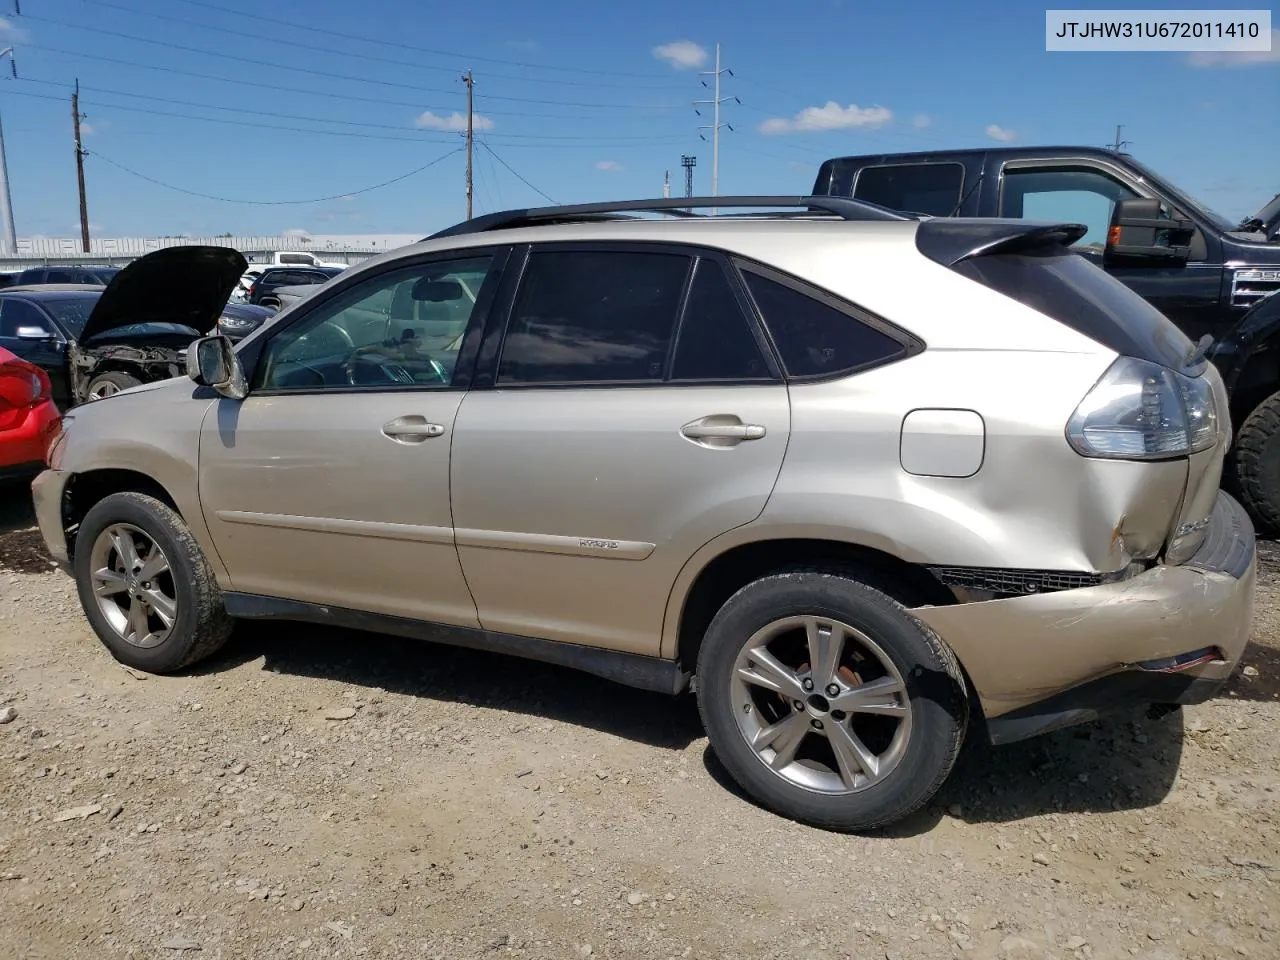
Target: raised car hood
<point>186,285</point>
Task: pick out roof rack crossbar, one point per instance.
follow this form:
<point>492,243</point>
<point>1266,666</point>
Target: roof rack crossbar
<point>842,207</point>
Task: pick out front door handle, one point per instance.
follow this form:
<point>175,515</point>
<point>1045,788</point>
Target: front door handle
<point>411,429</point>
<point>721,430</point>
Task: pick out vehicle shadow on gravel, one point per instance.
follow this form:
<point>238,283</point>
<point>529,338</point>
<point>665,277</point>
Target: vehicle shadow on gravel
<point>1127,761</point>
<point>456,674</point>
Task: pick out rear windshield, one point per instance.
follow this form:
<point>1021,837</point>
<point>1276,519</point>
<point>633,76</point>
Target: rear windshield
<point>1074,292</point>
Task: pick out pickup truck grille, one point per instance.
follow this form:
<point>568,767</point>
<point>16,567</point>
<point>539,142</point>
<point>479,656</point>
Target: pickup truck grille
<point>1253,285</point>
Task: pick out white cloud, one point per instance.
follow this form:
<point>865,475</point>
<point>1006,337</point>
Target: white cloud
<point>682,54</point>
<point>528,46</point>
<point>831,116</point>
<point>921,120</point>
<point>997,132</point>
<point>613,166</point>
<point>297,233</point>
<point>1237,58</point>
<point>453,123</point>
<point>11,32</point>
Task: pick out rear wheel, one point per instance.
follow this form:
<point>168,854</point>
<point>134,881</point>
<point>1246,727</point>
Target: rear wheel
<point>1257,462</point>
<point>145,585</point>
<point>828,702</point>
<point>108,384</point>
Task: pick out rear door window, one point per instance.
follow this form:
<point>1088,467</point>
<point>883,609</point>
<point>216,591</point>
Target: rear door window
<point>932,188</point>
<point>593,316</point>
<point>717,340</point>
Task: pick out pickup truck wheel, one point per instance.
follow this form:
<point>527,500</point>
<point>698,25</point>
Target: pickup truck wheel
<point>1257,462</point>
<point>108,384</point>
<point>828,702</point>
<point>145,585</point>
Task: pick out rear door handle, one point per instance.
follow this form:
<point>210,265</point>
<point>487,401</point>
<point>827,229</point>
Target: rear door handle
<point>411,429</point>
<point>721,430</point>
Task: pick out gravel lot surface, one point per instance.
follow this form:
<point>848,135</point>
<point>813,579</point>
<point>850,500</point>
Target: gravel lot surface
<point>314,793</point>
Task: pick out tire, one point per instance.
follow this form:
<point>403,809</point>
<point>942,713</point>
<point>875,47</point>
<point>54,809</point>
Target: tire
<point>1257,463</point>
<point>199,624</point>
<point>111,382</point>
<point>920,720</point>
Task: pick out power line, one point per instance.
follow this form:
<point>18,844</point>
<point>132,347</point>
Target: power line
<point>253,14</point>
<point>325,74</point>
<point>515,174</point>
<point>275,203</point>
<point>305,119</point>
<point>277,88</point>
<point>417,65</point>
<point>428,137</point>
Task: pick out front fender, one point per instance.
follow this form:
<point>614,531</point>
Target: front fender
<point>1256,331</point>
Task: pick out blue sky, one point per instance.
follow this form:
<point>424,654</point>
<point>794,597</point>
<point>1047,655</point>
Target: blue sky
<point>578,102</point>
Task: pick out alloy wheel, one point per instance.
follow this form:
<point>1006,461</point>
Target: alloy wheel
<point>133,584</point>
<point>821,704</point>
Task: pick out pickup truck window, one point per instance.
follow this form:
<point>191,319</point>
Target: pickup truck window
<point>1074,195</point>
<point>932,188</point>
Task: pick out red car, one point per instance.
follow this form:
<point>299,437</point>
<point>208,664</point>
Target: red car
<point>28,419</point>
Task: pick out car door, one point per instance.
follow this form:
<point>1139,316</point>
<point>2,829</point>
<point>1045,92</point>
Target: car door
<point>20,321</point>
<point>1188,294</point>
<point>630,413</point>
<point>329,482</point>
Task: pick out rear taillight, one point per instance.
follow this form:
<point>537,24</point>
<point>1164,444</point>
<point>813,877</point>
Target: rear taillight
<point>22,384</point>
<point>1143,411</point>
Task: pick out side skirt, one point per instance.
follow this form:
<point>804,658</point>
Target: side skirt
<point>628,669</point>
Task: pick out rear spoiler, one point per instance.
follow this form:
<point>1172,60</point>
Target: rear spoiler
<point>948,241</point>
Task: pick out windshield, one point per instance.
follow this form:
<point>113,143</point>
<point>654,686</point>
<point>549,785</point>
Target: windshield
<point>72,313</point>
<point>1185,200</point>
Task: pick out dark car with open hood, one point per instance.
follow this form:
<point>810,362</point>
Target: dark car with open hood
<point>94,341</point>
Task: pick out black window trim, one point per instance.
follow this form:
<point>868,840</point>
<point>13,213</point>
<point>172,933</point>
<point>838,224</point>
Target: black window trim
<point>502,314</point>
<point>964,173</point>
<point>250,352</point>
<point>911,343</point>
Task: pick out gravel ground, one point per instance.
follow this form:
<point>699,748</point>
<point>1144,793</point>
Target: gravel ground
<point>314,793</point>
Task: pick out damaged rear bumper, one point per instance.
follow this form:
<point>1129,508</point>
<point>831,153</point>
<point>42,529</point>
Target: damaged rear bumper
<point>1172,634</point>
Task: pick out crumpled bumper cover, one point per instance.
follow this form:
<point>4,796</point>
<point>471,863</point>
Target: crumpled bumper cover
<point>47,492</point>
<point>1045,661</point>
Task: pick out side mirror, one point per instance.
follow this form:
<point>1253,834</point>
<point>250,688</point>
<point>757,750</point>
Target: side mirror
<point>34,333</point>
<point>1140,236</point>
<point>212,363</point>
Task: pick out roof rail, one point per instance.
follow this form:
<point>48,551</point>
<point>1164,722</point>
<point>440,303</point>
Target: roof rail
<point>842,207</point>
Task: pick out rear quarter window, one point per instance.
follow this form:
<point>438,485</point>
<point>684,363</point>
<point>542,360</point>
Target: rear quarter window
<point>815,337</point>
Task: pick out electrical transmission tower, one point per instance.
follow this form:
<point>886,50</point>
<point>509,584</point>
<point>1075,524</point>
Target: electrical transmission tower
<point>1115,147</point>
<point>715,124</point>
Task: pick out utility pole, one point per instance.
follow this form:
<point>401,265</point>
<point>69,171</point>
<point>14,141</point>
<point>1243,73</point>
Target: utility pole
<point>1115,147</point>
<point>9,242</point>
<point>715,124</point>
<point>471,88</point>
<point>666,184</point>
<point>84,206</point>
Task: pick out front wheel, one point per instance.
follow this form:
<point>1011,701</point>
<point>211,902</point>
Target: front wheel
<point>828,702</point>
<point>109,384</point>
<point>145,585</point>
<point>1257,462</point>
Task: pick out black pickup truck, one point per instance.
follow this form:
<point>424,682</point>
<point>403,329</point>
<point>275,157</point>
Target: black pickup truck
<point>1212,276</point>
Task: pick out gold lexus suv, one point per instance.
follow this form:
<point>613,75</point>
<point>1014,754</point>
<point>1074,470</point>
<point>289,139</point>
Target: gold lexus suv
<point>863,481</point>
